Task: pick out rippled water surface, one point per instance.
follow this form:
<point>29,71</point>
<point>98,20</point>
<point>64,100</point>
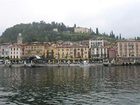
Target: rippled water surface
<point>70,86</point>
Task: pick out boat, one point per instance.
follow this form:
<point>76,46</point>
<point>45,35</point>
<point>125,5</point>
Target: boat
<point>84,64</point>
<point>30,61</point>
<point>106,63</point>
<point>8,63</point>
<point>29,64</point>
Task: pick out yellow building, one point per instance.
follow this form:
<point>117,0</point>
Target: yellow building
<point>64,52</point>
<point>81,51</point>
<point>72,52</point>
<point>50,51</point>
<point>35,48</point>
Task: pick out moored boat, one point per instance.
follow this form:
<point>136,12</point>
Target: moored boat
<point>106,63</point>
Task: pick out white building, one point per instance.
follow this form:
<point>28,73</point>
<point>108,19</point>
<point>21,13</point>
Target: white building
<point>55,30</point>
<point>15,51</point>
<point>4,50</point>
<point>81,30</point>
<point>98,49</point>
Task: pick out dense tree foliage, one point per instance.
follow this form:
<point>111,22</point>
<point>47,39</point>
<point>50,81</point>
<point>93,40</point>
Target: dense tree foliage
<point>44,32</point>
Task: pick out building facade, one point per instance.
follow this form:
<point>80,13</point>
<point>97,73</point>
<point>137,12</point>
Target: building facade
<point>72,52</point>
<point>50,51</point>
<point>82,30</point>
<point>4,50</point>
<point>128,48</point>
<point>15,51</point>
<point>112,53</point>
<point>32,49</point>
<point>98,49</point>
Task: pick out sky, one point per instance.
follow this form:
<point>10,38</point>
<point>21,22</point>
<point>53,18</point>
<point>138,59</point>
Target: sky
<point>120,16</point>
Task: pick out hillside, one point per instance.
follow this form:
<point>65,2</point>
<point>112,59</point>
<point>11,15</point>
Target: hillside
<point>44,32</point>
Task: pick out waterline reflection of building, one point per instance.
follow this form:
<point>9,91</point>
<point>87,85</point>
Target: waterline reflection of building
<point>75,78</point>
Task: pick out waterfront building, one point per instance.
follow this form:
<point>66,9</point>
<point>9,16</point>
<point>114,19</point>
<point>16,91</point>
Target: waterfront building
<point>128,48</point>
<point>65,52</point>
<point>50,51</point>
<point>81,51</point>
<point>15,51</point>
<point>98,49</point>
<point>32,49</point>
<point>73,52</point>
<point>112,53</point>
<point>4,50</point>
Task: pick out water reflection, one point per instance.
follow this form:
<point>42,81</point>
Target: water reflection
<point>71,85</point>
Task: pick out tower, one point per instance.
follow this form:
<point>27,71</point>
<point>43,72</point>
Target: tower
<point>19,38</point>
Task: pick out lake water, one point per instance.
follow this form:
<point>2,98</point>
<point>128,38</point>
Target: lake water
<point>70,86</point>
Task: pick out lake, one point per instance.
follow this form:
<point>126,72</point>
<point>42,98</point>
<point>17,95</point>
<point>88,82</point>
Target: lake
<point>99,85</point>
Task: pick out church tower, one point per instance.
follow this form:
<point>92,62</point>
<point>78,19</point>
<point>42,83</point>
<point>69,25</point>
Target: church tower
<point>19,38</point>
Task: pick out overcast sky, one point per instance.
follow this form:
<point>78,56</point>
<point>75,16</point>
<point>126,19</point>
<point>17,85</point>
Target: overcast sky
<point>121,16</point>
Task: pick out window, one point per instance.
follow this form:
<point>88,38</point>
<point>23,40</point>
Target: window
<point>71,52</point>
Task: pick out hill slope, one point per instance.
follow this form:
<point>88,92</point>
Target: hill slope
<point>44,32</point>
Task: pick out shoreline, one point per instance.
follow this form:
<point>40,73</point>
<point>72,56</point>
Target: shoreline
<point>64,65</point>
<point>50,65</point>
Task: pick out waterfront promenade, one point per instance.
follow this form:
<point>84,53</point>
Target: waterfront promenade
<point>57,65</point>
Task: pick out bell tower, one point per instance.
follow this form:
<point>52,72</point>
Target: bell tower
<point>19,38</point>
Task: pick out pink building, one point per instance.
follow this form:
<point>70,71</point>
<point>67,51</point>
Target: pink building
<point>112,53</point>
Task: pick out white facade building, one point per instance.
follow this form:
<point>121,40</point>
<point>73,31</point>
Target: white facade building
<point>98,49</point>
<point>15,51</point>
<point>82,30</point>
<point>4,50</point>
<point>55,30</point>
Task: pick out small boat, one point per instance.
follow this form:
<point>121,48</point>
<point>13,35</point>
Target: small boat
<point>106,63</point>
<point>84,64</point>
<point>8,63</point>
<point>30,64</point>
